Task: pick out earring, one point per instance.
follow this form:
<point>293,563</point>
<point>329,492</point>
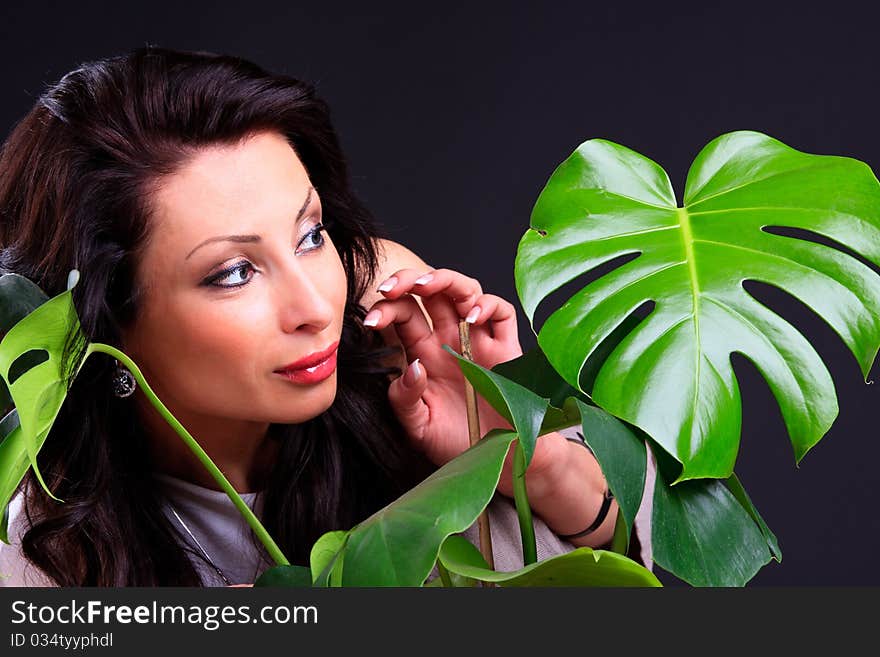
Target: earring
<point>123,381</point>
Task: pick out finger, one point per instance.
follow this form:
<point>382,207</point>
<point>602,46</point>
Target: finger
<point>405,396</point>
<point>408,320</point>
<point>400,283</point>
<point>403,281</point>
<point>448,296</point>
<point>495,314</point>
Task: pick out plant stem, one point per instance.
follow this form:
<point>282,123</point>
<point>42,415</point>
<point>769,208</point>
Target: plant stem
<point>252,520</point>
<point>444,575</point>
<point>523,510</point>
<point>473,419</point>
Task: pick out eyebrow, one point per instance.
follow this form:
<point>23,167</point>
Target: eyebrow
<point>251,238</point>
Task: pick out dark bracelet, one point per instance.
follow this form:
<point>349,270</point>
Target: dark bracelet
<point>606,501</point>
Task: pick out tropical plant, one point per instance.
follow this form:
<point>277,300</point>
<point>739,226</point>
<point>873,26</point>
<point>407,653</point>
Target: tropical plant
<point>639,358</point>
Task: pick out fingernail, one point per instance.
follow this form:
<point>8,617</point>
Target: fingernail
<point>424,280</point>
<point>388,285</point>
<point>473,315</point>
<point>372,318</point>
<point>413,373</point>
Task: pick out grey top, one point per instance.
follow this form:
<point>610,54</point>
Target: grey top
<point>225,536</point>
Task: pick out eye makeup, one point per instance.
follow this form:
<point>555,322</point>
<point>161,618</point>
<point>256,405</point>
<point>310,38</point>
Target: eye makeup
<point>314,235</point>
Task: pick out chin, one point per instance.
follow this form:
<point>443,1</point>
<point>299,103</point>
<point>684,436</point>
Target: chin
<point>308,404</point>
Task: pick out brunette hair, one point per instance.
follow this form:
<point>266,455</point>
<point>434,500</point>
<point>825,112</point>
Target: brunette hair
<point>76,175</point>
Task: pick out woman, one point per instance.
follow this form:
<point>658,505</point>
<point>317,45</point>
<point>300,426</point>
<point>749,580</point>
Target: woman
<point>207,204</point>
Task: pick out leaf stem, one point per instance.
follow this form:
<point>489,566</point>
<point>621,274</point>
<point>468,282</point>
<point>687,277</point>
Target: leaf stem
<point>444,575</point>
<point>484,530</point>
<point>252,520</point>
<point>523,510</point>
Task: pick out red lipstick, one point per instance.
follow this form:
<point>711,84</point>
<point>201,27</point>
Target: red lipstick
<point>313,368</point>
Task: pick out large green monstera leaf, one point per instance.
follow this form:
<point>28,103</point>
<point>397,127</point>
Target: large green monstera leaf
<point>671,375</point>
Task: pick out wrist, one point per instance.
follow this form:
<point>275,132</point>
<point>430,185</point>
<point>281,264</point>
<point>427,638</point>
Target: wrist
<point>550,461</point>
<point>566,489</point>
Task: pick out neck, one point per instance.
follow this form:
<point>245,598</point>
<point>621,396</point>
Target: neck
<point>242,450</point>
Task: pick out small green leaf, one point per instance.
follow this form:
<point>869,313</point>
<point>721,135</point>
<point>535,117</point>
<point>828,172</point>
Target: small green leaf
<point>622,457</point>
<point>701,533</point>
<point>8,424</point>
<point>581,567</point>
<point>399,544</point>
<point>326,558</point>
<point>18,298</point>
<point>520,406</point>
<point>533,371</point>
<point>735,485</point>
<point>13,466</point>
<point>287,576</point>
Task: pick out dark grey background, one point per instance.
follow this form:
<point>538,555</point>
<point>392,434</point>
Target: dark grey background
<point>453,119</point>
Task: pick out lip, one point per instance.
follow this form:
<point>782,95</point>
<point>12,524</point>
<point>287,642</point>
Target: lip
<point>311,375</point>
<point>310,361</point>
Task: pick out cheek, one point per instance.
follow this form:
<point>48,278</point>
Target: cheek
<point>217,333</point>
<point>335,278</point>
<point>206,339</point>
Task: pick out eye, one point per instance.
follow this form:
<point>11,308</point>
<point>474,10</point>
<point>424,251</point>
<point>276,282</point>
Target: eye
<point>227,274</point>
<point>314,238</point>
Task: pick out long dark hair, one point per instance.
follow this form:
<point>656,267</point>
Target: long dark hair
<point>75,189</point>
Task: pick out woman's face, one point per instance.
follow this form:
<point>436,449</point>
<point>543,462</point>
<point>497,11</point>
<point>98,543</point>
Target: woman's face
<point>239,283</point>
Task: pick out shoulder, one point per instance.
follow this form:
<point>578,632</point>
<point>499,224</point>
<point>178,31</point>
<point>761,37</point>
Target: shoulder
<point>392,256</point>
<point>394,253</point>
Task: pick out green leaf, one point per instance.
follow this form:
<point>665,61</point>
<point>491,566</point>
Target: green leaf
<point>520,406</point>
<point>13,466</point>
<point>701,533</point>
<point>735,486</point>
<point>8,424</point>
<point>39,392</point>
<point>671,375</point>
<point>581,567</point>
<point>326,558</point>
<point>288,576</point>
<point>18,297</point>
<point>398,545</point>
<point>533,371</point>
<point>622,457</point>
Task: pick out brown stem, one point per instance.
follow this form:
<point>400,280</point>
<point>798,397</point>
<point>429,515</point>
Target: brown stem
<point>473,418</point>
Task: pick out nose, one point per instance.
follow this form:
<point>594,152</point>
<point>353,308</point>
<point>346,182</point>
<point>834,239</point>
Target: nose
<point>304,303</point>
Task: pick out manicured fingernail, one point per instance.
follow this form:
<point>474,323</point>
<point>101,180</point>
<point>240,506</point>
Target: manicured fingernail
<point>388,285</point>
<point>473,315</point>
<point>372,318</point>
<point>424,280</point>
<point>413,373</point>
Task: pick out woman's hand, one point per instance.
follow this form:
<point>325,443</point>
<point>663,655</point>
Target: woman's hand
<point>429,398</point>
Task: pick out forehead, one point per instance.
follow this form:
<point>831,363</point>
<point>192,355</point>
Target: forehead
<point>236,186</point>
